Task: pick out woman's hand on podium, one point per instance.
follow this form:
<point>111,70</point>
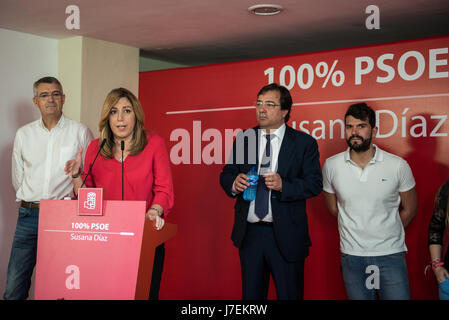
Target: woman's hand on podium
<point>154,214</point>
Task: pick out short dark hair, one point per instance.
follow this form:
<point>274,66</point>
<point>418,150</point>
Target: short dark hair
<point>363,112</point>
<point>45,80</point>
<point>286,98</point>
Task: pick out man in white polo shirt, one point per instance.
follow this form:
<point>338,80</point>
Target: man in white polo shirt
<point>364,187</point>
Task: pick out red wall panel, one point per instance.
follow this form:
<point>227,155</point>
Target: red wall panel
<point>197,109</point>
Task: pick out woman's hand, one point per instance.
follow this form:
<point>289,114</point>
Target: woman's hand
<point>153,215</point>
<point>73,167</point>
<point>441,273</point>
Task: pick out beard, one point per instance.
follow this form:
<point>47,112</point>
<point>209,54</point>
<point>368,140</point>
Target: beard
<point>359,147</point>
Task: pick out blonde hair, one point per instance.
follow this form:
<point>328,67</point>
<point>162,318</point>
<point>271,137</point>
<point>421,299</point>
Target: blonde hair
<point>139,138</point>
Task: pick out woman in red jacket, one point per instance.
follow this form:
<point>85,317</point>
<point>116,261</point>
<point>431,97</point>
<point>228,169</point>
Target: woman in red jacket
<point>147,174</point>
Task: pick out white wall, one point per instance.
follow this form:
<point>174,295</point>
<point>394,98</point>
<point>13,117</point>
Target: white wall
<point>24,58</point>
<point>89,69</point>
<point>105,66</point>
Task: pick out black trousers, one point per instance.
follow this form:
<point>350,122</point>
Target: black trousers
<point>260,256</point>
<point>156,277</point>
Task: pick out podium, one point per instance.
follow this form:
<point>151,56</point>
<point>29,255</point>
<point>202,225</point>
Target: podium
<point>96,257</point>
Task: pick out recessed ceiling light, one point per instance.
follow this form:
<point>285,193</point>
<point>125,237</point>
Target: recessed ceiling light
<point>265,9</point>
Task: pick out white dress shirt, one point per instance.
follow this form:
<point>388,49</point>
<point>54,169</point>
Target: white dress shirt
<point>276,142</point>
<point>39,157</point>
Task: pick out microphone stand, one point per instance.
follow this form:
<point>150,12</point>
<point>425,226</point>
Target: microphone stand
<point>122,146</point>
<point>91,166</point>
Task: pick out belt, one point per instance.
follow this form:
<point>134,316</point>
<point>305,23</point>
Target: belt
<point>262,223</point>
<point>29,205</point>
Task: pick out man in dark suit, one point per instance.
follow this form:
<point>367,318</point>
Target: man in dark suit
<point>271,231</point>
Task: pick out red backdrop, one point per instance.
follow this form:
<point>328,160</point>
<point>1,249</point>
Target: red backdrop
<point>197,109</point>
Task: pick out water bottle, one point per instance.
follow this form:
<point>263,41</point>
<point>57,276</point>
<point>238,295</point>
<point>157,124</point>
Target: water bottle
<point>250,193</point>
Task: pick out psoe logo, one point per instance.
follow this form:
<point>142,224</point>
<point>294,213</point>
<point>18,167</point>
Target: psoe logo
<point>91,201</point>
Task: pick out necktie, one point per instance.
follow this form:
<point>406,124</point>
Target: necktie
<point>261,206</point>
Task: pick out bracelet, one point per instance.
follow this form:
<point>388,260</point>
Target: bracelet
<point>436,265</point>
<point>159,213</point>
<point>78,174</point>
<point>434,262</point>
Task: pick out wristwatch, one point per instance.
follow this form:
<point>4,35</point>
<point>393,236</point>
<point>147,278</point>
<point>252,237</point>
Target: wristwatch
<point>78,174</point>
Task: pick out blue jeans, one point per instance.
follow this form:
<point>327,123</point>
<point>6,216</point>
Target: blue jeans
<point>444,289</point>
<point>23,255</point>
<point>385,275</point>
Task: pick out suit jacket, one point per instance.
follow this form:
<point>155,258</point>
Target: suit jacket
<point>299,168</point>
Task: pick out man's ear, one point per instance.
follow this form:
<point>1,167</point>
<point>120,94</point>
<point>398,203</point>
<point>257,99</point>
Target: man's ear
<point>284,114</point>
<point>35,102</point>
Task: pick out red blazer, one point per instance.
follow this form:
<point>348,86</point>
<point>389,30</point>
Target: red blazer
<point>147,175</point>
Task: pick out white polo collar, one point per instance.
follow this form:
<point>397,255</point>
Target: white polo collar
<point>378,154</point>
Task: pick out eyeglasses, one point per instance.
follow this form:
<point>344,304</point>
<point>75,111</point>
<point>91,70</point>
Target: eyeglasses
<point>46,95</point>
<point>268,104</point>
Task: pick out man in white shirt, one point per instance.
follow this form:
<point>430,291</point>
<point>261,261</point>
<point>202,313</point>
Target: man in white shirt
<point>271,231</point>
<point>364,187</point>
<point>41,149</point>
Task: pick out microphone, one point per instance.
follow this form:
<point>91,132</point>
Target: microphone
<point>122,146</point>
<point>90,168</point>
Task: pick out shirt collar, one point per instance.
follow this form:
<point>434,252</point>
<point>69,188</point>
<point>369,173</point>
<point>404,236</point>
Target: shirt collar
<point>378,154</point>
<point>278,133</point>
<point>60,123</point>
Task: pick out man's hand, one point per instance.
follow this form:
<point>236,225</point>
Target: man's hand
<point>273,181</point>
<point>241,182</point>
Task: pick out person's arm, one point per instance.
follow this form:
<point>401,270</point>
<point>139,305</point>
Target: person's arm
<point>163,182</point>
<point>409,206</point>
<point>86,139</point>
<point>330,198</point>
<point>73,170</point>
<point>407,193</point>
<point>17,164</point>
<point>440,272</point>
<point>310,183</point>
<point>331,203</point>
<point>77,182</point>
<point>164,197</point>
<point>436,231</point>
<point>232,181</point>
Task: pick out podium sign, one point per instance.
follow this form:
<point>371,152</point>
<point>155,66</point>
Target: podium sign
<point>89,257</point>
<point>90,201</point>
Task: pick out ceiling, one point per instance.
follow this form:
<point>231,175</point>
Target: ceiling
<point>193,32</point>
